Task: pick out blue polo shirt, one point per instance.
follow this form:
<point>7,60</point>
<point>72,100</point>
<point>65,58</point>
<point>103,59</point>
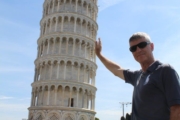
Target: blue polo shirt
<point>155,91</point>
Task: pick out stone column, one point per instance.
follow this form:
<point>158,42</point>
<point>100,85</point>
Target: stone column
<point>38,51</point>
<point>48,97</point>
<point>55,96</point>
<point>78,76</point>
<point>85,47</point>
<point>40,72</point>
<point>87,10</point>
<point>35,75</point>
<point>93,80</point>
<point>65,71</point>
<point>76,6</point>
<point>49,9</point>
<point>53,6</point>
<point>38,98</point>
<point>67,44</point>
<point>56,24</point>
<point>32,95</point>
<point>51,64</point>
<point>88,78</point>
<point>84,73</point>
<point>34,98</point>
<point>42,96</point>
<point>58,5</point>
<point>53,46</point>
<point>43,51</point>
<point>79,48</point>
<point>77,98</point>
<point>70,93</point>
<point>74,43</point>
<point>62,22</point>
<point>91,102</point>
<point>50,26</point>
<point>75,23</point>
<point>58,70</point>
<point>83,92</point>
<point>48,42</point>
<point>62,103</point>
<point>88,101</point>
<point>60,45</point>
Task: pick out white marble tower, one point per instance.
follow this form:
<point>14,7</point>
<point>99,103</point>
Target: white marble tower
<point>65,68</point>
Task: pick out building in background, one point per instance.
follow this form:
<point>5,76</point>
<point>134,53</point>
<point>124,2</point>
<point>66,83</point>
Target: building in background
<point>65,68</point>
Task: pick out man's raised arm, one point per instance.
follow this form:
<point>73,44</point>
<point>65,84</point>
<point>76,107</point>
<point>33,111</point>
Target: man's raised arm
<point>113,67</point>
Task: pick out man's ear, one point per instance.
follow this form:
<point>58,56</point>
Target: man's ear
<point>152,46</point>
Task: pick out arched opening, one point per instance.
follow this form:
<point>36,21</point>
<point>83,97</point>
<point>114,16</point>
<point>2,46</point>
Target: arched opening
<point>77,46</point>
<point>45,96</point>
<point>61,70</point>
<point>59,95</point>
<point>81,77</point>
<point>63,45</point>
<point>66,96</point>
<point>75,72</point>
<point>53,29</point>
<point>67,6</point>
<point>54,70</point>
<point>59,24</point>
<point>78,26</point>
<point>48,70</point>
<point>84,9</point>
<point>52,95</point>
<point>57,45</point>
<point>83,49</point>
<point>80,98</point>
<point>84,27</point>
<point>66,24</point>
<point>79,6</point>
<point>70,46</point>
<point>55,5</point>
<point>73,4</point>
<point>69,71</point>
<point>71,25</point>
<point>51,45</point>
<point>40,97</point>
<point>62,5</point>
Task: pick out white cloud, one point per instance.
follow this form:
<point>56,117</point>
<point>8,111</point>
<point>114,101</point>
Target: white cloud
<point>13,111</point>
<point>5,97</point>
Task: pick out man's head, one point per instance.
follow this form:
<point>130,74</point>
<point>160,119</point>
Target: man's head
<point>141,47</point>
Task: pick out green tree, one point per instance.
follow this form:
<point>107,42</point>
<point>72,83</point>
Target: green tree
<point>128,117</point>
<point>122,118</point>
<point>96,118</point>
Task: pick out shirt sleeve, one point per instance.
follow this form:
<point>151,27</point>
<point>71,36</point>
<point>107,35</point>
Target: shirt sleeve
<point>171,85</point>
<point>131,76</point>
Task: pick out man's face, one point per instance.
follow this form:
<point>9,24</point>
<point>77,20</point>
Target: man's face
<point>144,54</point>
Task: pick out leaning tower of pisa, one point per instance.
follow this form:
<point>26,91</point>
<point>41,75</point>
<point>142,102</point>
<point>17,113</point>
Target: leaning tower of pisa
<point>65,68</point>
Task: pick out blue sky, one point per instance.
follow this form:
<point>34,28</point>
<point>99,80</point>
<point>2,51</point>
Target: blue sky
<point>117,20</point>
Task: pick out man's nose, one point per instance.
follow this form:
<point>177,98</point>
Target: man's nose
<point>138,49</point>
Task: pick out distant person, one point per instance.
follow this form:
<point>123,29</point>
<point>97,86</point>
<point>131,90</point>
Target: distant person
<point>156,93</point>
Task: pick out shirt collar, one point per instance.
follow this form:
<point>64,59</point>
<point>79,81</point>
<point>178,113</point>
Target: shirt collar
<point>153,66</point>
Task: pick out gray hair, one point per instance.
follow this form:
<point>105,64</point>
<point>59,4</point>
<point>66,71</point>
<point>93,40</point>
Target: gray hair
<point>139,35</point>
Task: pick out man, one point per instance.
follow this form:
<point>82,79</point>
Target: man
<point>156,93</point>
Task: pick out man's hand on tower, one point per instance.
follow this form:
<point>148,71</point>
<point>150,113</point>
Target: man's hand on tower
<point>98,47</point>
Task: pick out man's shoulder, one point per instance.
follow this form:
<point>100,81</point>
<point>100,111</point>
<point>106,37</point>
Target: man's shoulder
<point>164,66</point>
<point>132,71</point>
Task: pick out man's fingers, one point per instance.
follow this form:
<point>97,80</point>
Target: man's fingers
<point>100,41</point>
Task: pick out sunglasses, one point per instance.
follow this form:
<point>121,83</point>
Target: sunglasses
<point>140,45</point>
